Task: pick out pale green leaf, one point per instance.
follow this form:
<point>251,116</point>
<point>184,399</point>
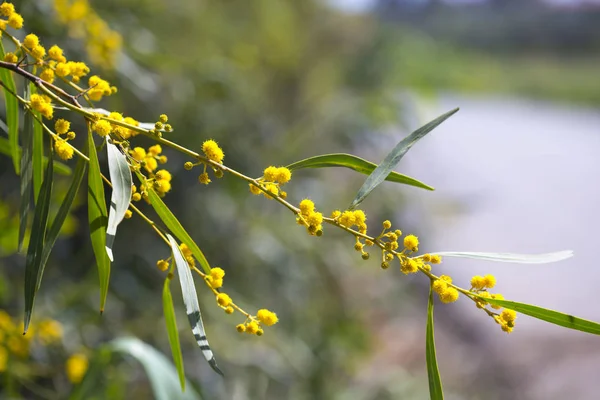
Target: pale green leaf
<point>12,112</point>
<point>172,331</point>
<point>510,257</point>
<point>433,374</point>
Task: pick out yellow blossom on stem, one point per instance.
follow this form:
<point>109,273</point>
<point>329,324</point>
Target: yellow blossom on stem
<point>411,242</point>
<point>63,149</point>
<point>204,179</point>
<point>56,53</point>
<point>450,295</point>
<point>162,265</point>
<point>267,317</point>
<point>212,151</point>
<point>7,9</point>
<point>102,127</point>
<point>15,21</point>
<point>223,299</point>
<point>490,281</point>
<point>478,282</point>
<point>62,126</point>
<point>217,273</point>
<point>252,327</point>
<point>30,41</point>
<point>11,58</point>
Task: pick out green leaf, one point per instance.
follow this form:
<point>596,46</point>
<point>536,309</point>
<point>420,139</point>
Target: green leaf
<point>59,168</point>
<point>161,373</point>
<point>120,178</point>
<point>175,226</point>
<point>190,300</point>
<point>393,158</point>
<point>172,331</point>
<point>98,219</point>
<point>510,257</point>
<point>357,164</point>
<point>435,382</point>
<point>64,209</point>
<point>26,177</point>
<point>33,264</point>
<point>554,317</point>
<point>12,113</point>
<point>38,150</point>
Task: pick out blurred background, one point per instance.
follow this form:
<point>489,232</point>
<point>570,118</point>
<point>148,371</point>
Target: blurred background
<point>275,81</point>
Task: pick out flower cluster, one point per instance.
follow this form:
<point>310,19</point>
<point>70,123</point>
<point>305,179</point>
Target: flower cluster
<point>13,19</point>
<point>14,344</point>
<point>149,159</point>
<point>42,104</point>
<point>61,147</point>
<point>309,217</point>
<point>102,43</point>
<point>271,182</point>
<point>252,325</point>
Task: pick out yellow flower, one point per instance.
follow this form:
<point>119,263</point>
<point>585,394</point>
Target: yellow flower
<point>411,242</point>
<point>212,151</point>
<point>240,328</point>
<point>490,281</point>
<point>270,173</point>
<point>162,186</point>
<point>162,265</point>
<point>215,283</point>
<point>163,118</point>
<point>307,206</point>
<point>56,53</point>
<point>253,189</point>
<point>410,266</point>
<point>155,150</point>
<point>151,163</point>
<point>38,52</point>
<point>439,286</point>
<point>252,327</point>
<point>347,219</point>
<point>478,282</point>
<point>47,75</point>
<point>496,296</point>
<point>102,127</point>
<point>223,299</point>
<point>138,153</point>
<point>387,224</point>
<point>163,174</point>
<point>359,217</point>
<point>508,316</point>
<point>30,41</point>
<point>283,175</point>
<point>63,149</point>
<point>315,218</point>
<point>11,58</point>
<point>7,9</point>
<point>435,259</point>
<point>62,126</point>
<point>450,295</point>
<point>3,353</point>
<point>76,367</point>
<point>15,21</point>
<point>217,273</point>
<point>49,331</point>
<point>267,317</point>
<point>62,69</point>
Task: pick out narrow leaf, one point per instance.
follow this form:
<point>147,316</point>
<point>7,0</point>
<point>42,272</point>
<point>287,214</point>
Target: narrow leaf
<point>433,374</point>
<point>12,113</point>
<point>63,211</point>
<point>393,158</point>
<point>26,177</point>
<point>38,150</point>
<point>357,164</point>
<point>176,228</point>
<point>160,371</point>
<point>510,257</point>
<point>554,317</point>
<point>192,308</point>
<point>120,178</point>
<point>59,168</point>
<point>98,219</point>
<point>33,263</point>
<point>172,331</point>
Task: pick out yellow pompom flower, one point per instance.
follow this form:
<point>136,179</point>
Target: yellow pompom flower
<point>30,41</point>
<point>62,126</point>
<point>387,224</point>
<point>56,53</point>
<point>63,149</point>
<point>212,151</point>
<point>315,218</point>
<point>409,266</point>
<point>270,174</point>
<point>360,217</point>
<point>347,219</point>
<point>435,259</point>
<point>11,58</point>
<point>76,367</point>
<point>283,175</point>
<point>439,286</point>
<point>162,186</point>
<point>307,206</point>
<point>411,242</point>
<point>490,281</point>
<point>7,9</point>
<point>163,118</point>
<point>128,214</point>
<point>47,75</point>
<point>478,282</point>
<point>272,189</point>
<point>240,328</point>
<point>214,283</point>
<point>15,21</point>
<point>217,273</point>
<point>155,150</point>
<point>151,163</point>
<point>254,189</point>
<point>162,265</point>
<point>62,69</point>
<point>163,174</point>
<point>252,327</point>
<point>38,52</point>
<point>496,296</point>
<point>508,316</point>
<point>102,127</point>
<point>267,317</point>
<point>138,153</point>
<point>223,299</point>
<point>450,295</point>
